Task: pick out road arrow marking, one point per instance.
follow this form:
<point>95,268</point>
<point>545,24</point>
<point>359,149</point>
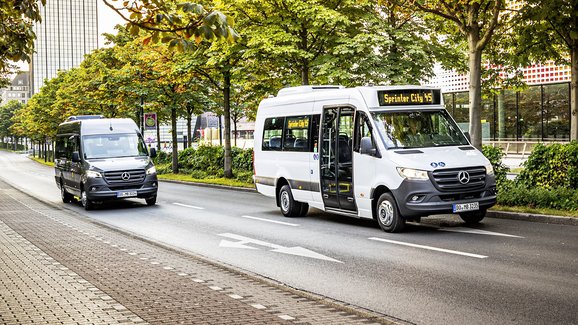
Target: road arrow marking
<point>298,251</point>
<point>428,247</point>
<point>478,232</point>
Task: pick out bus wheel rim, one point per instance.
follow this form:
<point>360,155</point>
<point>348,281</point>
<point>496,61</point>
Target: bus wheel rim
<point>285,201</point>
<point>386,213</point>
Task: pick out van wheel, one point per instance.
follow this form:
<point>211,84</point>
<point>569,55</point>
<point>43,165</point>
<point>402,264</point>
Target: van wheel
<point>151,201</point>
<point>66,197</point>
<point>289,207</point>
<point>473,217</point>
<point>388,216</point>
<point>86,203</point>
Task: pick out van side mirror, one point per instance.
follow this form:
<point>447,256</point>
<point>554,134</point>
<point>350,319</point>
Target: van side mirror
<point>75,157</point>
<point>152,152</point>
<point>366,147</point>
<point>468,136</point>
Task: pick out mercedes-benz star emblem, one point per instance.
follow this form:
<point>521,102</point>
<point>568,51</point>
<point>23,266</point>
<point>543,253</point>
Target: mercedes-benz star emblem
<point>463,177</point>
<point>126,176</point>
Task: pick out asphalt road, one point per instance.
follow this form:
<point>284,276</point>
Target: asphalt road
<point>437,272</point>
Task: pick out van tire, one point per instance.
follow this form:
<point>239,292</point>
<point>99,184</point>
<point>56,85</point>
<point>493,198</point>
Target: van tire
<point>86,203</point>
<point>473,217</point>
<point>387,214</point>
<point>151,200</point>
<point>289,207</point>
<point>66,197</point>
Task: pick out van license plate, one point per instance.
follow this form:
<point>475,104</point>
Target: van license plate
<point>462,207</point>
<point>126,194</point>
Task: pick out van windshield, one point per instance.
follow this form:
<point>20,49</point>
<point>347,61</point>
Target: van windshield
<point>113,146</point>
<point>418,129</point>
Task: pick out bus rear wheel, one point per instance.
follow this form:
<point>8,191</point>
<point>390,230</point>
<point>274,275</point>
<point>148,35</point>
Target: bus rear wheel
<point>289,207</point>
<point>388,216</point>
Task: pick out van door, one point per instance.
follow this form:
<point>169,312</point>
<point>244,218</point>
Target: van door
<point>336,158</point>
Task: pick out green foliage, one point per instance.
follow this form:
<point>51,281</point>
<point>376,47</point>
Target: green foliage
<point>494,155</point>
<point>16,35</point>
<point>551,166</point>
<point>560,198</point>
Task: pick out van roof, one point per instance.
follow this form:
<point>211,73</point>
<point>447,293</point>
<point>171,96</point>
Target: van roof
<point>103,126</point>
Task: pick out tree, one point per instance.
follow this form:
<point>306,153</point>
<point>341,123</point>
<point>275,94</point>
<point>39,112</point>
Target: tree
<point>476,21</point>
<point>16,34</point>
<point>6,113</point>
<point>548,30</point>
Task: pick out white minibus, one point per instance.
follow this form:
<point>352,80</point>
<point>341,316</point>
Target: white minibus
<point>390,153</point>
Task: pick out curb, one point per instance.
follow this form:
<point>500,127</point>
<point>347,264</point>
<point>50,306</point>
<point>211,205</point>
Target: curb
<point>223,187</point>
<point>532,217</point>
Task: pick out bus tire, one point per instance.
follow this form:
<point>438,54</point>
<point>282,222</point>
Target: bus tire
<point>86,203</point>
<point>473,217</point>
<point>289,207</point>
<point>64,195</point>
<point>304,209</point>
<point>387,214</point>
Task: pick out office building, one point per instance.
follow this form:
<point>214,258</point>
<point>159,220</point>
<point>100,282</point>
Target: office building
<point>18,89</point>
<point>68,31</point>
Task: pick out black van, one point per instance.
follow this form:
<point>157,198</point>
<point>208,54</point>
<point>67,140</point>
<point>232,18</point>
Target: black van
<point>98,159</point>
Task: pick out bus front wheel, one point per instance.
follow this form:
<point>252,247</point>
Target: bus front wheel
<point>289,207</point>
<point>388,216</point>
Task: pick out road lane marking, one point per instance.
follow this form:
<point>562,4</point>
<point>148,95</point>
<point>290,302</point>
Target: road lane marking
<point>478,232</point>
<point>244,241</point>
<point>428,247</point>
<point>188,206</point>
<point>272,221</point>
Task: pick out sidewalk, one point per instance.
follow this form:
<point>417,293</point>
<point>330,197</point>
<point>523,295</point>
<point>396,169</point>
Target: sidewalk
<point>57,267</point>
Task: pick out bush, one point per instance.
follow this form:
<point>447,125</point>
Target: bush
<point>494,155</point>
<point>513,194</point>
<point>551,166</point>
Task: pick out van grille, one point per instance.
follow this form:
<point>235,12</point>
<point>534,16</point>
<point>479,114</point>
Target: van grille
<point>449,179</point>
<point>120,176</point>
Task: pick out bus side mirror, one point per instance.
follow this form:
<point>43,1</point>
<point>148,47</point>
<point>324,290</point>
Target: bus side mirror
<point>366,147</point>
<point>153,152</point>
<point>75,157</point>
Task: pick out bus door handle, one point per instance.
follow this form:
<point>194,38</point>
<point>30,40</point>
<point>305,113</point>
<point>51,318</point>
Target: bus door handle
<point>350,199</point>
<point>325,196</point>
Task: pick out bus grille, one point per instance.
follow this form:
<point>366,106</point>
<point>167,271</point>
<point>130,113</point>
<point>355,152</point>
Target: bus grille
<point>459,179</point>
<point>125,176</point>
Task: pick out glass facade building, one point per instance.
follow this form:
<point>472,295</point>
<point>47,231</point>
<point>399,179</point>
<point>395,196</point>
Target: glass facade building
<point>538,113</point>
<point>68,31</point>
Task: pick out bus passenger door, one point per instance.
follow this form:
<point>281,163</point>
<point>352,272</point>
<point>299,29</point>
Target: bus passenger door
<point>336,158</point>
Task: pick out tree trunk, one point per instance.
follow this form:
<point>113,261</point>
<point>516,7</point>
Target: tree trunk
<point>304,61</point>
<point>235,131</point>
<point>574,93</point>
<point>175,160</point>
<point>475,90</point>
<point>158,135</point>
<point>228,168</point>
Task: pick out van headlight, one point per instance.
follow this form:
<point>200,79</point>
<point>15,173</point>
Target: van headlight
<point>415,174</point>
<point>93,174</point>
<point>152,170</point>
<point>489,169</point>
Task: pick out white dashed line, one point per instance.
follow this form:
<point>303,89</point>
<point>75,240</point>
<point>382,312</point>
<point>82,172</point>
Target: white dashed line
<point>272,221</point>
<point>428,247</point>
<point>189,206</point>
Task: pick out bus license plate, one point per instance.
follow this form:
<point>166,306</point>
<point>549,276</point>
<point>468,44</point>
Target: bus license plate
<point>462,207</point>
<point>126,194</point>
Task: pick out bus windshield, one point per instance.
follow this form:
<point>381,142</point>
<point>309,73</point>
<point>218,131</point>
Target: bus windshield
<point>113,146</point>
<point>418,129</point>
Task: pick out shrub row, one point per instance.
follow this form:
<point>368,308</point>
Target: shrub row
<point>208,161</point>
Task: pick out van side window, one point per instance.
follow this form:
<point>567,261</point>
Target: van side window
<point>314,138</point>
<point>273,133</point>
<point>296,136</point>
<point>362,129</point>
<point>60,148</point>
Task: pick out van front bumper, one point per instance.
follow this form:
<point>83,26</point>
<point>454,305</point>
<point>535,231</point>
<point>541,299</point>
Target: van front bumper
<point>422,198</point>
<point>97,189</point>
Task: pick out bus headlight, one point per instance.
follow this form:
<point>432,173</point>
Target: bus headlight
<point>414,174</point>
<point>489,169</point>
<point>152,170</point>
<point>93,174</point>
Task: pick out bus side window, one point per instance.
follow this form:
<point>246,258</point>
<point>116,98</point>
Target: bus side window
<point>362,129</point>
<point>272,133</point>
<point>314,138</point>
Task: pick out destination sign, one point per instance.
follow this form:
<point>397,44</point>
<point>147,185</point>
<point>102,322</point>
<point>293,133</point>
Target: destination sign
<point>298,122</point>
<point>399,97</point>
